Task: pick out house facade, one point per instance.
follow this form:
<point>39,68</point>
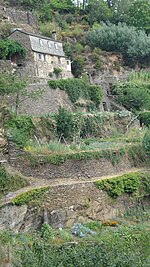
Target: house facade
<point>45,57</point>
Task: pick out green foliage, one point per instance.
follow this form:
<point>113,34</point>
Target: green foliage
<point>10,182</point>
<point>8,48</point>
<point>138,14</point>
<point>146,142</point>
<point>20,128</point>
<point>145,118</point>
<point>137,155</point>
<point>78,48</point>
<point>63,6</point>
<point>57,71</point>
<point>94,225</point>
<point>121,246</point>
<point>46,148</point>
<point>134,94</point>
<point>10,84</point>
<point>46,231</point>
<point>137,158</point>
<point>64,123</point>
<point>44,14</point>
<point>78,66</point>
<point>133,44</point>
<point>34,194</point>
<point>127,183</point>
<point>78,88</point>
<point>98,11</point>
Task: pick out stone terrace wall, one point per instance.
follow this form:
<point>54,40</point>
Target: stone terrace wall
<point>49,101</point>
<point>64,206</point>
<point>73,169</point>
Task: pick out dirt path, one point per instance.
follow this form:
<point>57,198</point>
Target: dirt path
<point>39,183</point>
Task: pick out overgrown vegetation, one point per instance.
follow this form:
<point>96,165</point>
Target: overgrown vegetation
<point>134,93</point>
<point>117,246</point>
<point>135,153</point>
<point>10,182</point>
<point>132,44</point>
<point>78,88</point>
<point>9,48</point>
<point>27,197</point>
<point>133,184</point>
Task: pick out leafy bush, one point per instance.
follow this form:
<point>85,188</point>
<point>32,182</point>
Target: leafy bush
<point>78,66</point>
<point>131,43</point>
<point>20,128</point>
<point>46,231</point>
<point>9,48</point>
<point>64,123</point>
<point>145,117</point>
<point>134,96</point>
<point>78,88</point>
<point>127,183</point>
<point>34,194</point>
<point>123,246</point>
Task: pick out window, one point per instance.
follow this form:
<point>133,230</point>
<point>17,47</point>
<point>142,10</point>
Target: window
<point>68,62</point>
<point>49,44</point>
<point>59,60</point>
<point>56,46</point>
<point>41,42</point>
<point>40,56</point>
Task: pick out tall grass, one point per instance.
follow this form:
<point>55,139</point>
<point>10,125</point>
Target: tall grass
<point>46,148</point>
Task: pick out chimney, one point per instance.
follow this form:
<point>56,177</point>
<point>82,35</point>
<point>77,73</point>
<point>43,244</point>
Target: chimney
<point>54,35</point>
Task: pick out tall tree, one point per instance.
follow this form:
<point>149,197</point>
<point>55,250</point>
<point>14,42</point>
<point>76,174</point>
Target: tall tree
<point>98,11</point>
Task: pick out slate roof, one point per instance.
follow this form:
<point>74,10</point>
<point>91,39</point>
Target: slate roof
<point>45,45</point>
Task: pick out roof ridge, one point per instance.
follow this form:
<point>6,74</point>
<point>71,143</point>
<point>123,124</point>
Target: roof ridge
<point>36,35</point>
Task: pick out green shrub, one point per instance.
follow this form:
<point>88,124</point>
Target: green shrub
<point>9,48</point>
<point>94,57</point>
<point>131,183</point>
<point>20,128</point>
<point>134,96</point>
<point>145,117</point>
<point>78,48</point>
<point>46,231</point>
<point>34,194</point>
<point>57,71</point>
<point>98,65</point>
<point>133,44</point>
<point>64,123</point>
<point>78,66</point>
<point>78,88</point>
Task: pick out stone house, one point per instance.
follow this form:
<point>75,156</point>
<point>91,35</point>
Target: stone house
<point>44,56</point>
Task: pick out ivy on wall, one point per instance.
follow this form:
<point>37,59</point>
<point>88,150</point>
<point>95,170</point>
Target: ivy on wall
<point>78,88</point>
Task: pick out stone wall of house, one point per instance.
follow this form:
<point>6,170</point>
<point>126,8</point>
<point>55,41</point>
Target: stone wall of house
<point>27,68</point>
<point>47,63</point>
